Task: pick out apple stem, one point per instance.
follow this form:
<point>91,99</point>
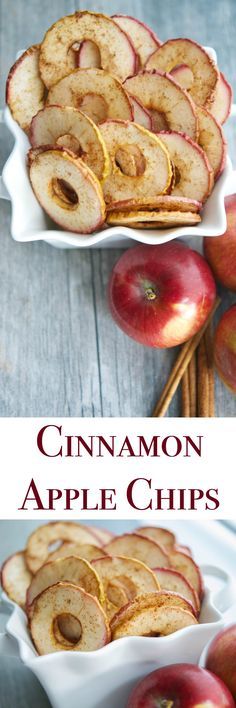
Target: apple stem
<point>151,295</point>
<point>164,703</point>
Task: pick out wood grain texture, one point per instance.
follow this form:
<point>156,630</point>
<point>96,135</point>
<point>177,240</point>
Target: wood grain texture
<point>60,354</point>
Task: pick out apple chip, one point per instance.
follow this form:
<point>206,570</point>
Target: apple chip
<point>194,176</point>
<point>185,51</point>
<point>160,598</point>
<point>72,569</point>
<point>163,536</point>
<point>144,40</point>
<point>83,550</point>
<point>140,547</point>
<point>94,92</point>
<point>189,569</point>
<point>42,539</point>
<point>174,581</point>
<point>164,202</point>
<point>211,140</point>
<point>123,579</point>
<point>68,190</point>
<point>221,104</point>
<point>157,219</point>
<point>66,618</point>
<point>140,163</point>
<point>66,126</point>
<point>170,106</point>
<point>25,89</point>
<point>57,57</point>
<point>15,578</point>
<point>153,620</point>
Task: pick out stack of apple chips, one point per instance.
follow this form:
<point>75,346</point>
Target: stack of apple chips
<point>96,587</point>
<point>131,137</point>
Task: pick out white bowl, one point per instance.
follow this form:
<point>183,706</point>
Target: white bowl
<point>30,223</point>
<point>105,678</point>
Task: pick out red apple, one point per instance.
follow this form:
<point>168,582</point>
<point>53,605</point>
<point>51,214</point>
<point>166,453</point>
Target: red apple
<point>220,252</point>
<point>225,348</point>
<point>221,657</point>
<point>161,295</point>
<point>181,685</point>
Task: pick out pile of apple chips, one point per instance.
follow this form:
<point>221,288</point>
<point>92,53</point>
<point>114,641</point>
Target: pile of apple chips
<point>124,130</point>
<point>82,587</point>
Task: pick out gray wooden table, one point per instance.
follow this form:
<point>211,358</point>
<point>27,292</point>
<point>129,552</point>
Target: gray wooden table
<point>60,352</point>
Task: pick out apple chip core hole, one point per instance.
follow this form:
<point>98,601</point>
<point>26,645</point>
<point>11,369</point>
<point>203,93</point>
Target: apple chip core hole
<point>91,54</point>
<point>130,160</point>
<point>159,120</point>
<point>64,194</point>
<point>70,141</point>
<point>67,629</point>
<point>94,106</point>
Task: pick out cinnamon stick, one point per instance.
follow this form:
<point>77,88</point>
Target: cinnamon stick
<point>192,376</point>
<point>186,395</point>
<point>180,366</point>
<point>202,380</point>
<point>211,372</point>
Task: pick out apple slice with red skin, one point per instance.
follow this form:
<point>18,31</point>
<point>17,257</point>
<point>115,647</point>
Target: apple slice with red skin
<point>39,542</point>
<point>123,579</point>
<point>183,74</point>
<point>149,288</point>
<point>25,91</point>
<point>16,578</point>
<point>220,252</point>
<point>225,348</point>
<point>221,657</point>
<point>174,581</point>
<point>57,58</point>
<point>189,569</point>
<point>221,105</point>
<point>159,598</point>
<point>63,611</point>
<point>144,40</point>
<point>141,115</point>
<point>194,176</point>
<point>211,139</point>
<point>170,106</point>
<point>184,685</point>
<point>163,536</point>
<point>154,219</point>
<point>136,546</point>
<point>166,202</point>
<point>186,51</point>
<point>87,551</point>
<point>153,621</point>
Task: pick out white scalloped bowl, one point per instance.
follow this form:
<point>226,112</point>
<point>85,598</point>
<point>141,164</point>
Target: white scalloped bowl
<point>105,678</point>
<point>30,223</point>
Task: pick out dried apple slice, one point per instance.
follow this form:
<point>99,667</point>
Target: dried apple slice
<point>67,190</point>
<point>15,578</point>
<point>94,92</point>
<point>144,40</point>
<point>57,58</point>
<point>193,174</point>
<point>141,115</point>
<point>189,569</point>
<point>174,581</point>
<point>84,550</point>
<point>24,88</point>
<point>66,618</point>
<point>211,140</point>
<point>165,202</point>
<point>123,578</point>
<point>155,219</point>
<point>136,546</point>
<point>221,104</point>
<point>183,74</point>
<point>163,536</point>
<point>66,126</point>
<point>186,51</point>
<point>41,540</point>
<point>71,569</point>
<point>147,617</point>
<point>170,106</point>
<point>146,165</point>
<point>160,598</point>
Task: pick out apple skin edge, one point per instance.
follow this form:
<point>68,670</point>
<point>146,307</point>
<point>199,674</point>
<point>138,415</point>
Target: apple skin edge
<point>184,685</point>
<point>225,348</point>
<point>161,295</point>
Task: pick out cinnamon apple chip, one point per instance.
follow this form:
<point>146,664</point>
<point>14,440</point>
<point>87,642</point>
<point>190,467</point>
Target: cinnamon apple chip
<point>69,127</point>
<point>185,51</point>
<point>41,540</point>
<point>156,219</point>
<point>123,578</point>
<point>95,92</point>
<point>211,140</point>
<point>58,58</point>
<point>151,617</point>
<point>140,164</point>
<point>25,89</point>
<point>84,550</point>
<point>136,546</point>
<point>15,578</point>
<point>194,176</point>
<point>165,202</point>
